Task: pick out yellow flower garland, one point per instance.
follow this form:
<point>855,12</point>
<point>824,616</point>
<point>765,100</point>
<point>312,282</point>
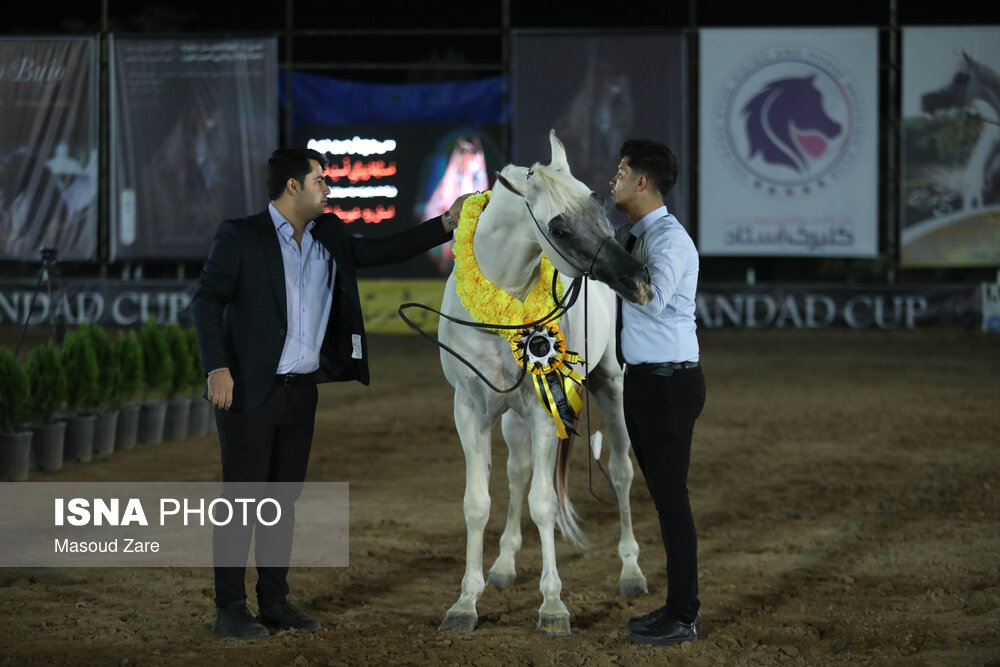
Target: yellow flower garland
<point>486,302</point>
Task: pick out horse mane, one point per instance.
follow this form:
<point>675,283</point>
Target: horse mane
<point>560,187</point>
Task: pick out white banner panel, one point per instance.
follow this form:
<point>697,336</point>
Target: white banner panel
<point>950,213</point>
<point>788,126</point>
<point>48,147</point>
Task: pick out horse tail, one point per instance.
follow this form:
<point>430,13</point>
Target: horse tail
<point>566,518</point>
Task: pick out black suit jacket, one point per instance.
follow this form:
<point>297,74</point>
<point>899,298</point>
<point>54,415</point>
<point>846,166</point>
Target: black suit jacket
<point>240,308</point>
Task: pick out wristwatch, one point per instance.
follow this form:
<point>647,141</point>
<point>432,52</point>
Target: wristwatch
<point>449,221</point>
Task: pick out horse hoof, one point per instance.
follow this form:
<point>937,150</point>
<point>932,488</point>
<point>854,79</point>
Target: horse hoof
<point>500,580</point>
<point>458,623</point>
<point>554,625</point>
<point>633,587</point>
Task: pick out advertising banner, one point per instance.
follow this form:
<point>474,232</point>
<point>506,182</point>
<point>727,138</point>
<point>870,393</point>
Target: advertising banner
<point>48,147</point>
<point>788,136</point>
<point>596,90</point>
<point>385,178</point>
<point>950,209</point>
<point>719,305</point>
<point>193,122</point>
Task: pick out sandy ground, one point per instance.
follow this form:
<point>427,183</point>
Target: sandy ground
<point>845,487</point>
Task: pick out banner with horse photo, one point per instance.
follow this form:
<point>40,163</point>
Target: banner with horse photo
<point>950,209</point>
<point>48,147</point>
<point>597,90</point>
<point>193,121</point>
<point>788,136</point>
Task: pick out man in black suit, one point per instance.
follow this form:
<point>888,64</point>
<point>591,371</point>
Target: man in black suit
<point>276,311</point>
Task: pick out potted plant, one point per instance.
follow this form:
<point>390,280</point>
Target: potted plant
<point>128,353</point>
<point>47,393</point>
<point>201,409</point>
<point>15,439</point>
<point>82,374</point>
<point>158,370</point>
<point>103,400</point>
<point>179,400</point>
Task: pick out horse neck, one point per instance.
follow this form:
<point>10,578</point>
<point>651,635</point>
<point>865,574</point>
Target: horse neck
<point>989,87</point>
<point>507,252</point>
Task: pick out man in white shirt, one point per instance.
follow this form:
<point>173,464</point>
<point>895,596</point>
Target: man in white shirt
<point>664,386</point>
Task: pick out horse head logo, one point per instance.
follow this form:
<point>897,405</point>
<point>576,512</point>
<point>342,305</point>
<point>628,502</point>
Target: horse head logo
<point>786,123</point>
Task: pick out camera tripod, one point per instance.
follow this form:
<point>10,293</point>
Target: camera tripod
<point>45,274</point>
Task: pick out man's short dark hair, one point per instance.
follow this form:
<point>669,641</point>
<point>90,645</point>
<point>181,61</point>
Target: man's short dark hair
<point>286,163</point>
<point>652,159</point>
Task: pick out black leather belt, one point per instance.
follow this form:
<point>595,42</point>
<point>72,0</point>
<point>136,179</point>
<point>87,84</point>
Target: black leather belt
<point>295,379</point>
<point>665,369</point>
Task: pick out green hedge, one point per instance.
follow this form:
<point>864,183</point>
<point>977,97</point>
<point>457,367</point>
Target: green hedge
<point>156,360</point>
<point>82,374</point>
<point>46,383</point>
<point>109,374</point>
<point>128,353</point>
<point>14,393</point>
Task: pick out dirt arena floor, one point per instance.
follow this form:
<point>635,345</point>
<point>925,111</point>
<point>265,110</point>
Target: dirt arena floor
<point>846,488</point>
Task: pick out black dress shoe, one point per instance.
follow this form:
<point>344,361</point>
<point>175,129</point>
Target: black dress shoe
<point>284,616</point>
<point>640,622</point>
<point>234,620</point>
<point>667,631</point>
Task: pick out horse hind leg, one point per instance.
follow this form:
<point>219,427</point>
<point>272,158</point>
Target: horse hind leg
<point>607,388</point>
<point>518,439</point>
<point>474,432</point>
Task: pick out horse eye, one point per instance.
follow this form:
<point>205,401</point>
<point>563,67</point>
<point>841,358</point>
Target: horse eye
<point>560,233</point>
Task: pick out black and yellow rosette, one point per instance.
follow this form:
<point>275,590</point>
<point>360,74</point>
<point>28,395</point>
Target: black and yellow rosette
<point>555,380</point>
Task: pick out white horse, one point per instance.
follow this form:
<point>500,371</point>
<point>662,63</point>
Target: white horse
<point>509,240</point>
<point>975,85</point>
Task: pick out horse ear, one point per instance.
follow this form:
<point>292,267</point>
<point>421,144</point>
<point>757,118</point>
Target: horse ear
<point>507,184</point>
<point>559,161</point>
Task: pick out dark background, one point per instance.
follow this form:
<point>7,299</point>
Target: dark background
<point>411,41</point>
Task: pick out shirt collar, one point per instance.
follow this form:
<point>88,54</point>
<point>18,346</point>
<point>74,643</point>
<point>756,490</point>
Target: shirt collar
<point>281,223</point>
<point>640,227</point>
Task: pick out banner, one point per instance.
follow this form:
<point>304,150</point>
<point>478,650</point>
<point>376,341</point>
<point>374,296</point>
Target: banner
<point>807,306</point>
<point>950,209</point>
<point>319,100</point>
<point>386,178</point>
<point>48,147</point>
<point>193,122</point>
<point>596,90</point>
<point>788,136</point>
<point>719,305</point>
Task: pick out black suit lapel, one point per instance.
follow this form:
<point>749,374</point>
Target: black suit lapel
<point>272,258</point>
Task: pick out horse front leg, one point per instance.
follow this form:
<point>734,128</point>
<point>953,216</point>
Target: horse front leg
<point>474,432</point>
<point>608,391</point>
<point>553,616</point>
<point>518,439</point>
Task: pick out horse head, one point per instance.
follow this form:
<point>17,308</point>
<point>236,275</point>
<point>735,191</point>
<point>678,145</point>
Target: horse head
<point>787,119</point>
<point>971,81</point>
<point>571,226</point>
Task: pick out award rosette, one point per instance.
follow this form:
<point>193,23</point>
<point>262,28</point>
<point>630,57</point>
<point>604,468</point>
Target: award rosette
<point>549,363</point>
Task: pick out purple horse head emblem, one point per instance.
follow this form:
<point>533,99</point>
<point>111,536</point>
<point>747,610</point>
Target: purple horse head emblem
<point>786,123</point>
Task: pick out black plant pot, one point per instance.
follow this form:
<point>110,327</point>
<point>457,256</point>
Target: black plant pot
<point>15,456</point>
<point>47,446</point>
<point>104,433</point>
<point>151,420</point>
<point>80,438</point>
<point>128,426</point>
<point>178,418</point>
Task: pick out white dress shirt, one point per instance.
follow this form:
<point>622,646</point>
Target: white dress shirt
<point>662,330</point>
<point>309,272</point>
